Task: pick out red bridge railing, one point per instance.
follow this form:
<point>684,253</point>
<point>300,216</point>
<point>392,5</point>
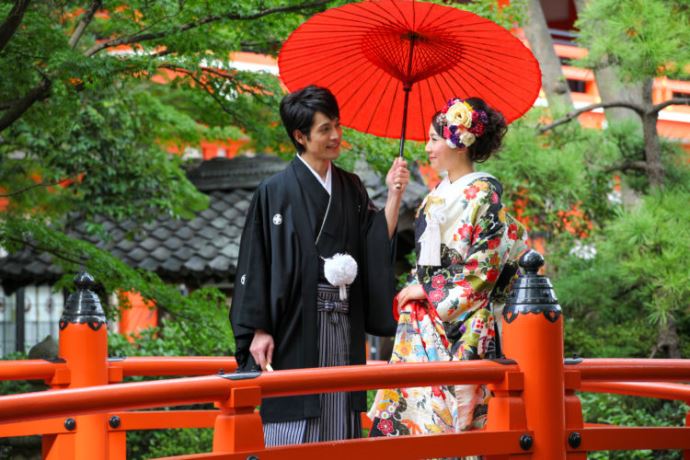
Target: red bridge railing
<point>535,411</point>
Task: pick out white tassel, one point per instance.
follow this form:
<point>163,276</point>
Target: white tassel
<point>340,271</point>
<point>430,251</point>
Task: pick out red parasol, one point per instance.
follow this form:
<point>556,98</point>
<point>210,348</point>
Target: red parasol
<point>380,58</point>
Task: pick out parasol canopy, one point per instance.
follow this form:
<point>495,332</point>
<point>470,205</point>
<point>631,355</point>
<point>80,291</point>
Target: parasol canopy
<point>384,58</point>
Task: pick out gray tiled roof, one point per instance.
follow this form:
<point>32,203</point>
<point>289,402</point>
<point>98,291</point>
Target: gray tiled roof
<point>199,251</point>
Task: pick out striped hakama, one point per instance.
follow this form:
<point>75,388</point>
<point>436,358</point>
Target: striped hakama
<point>337,421</point>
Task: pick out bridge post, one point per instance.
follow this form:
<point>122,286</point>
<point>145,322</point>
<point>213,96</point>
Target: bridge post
<point>686,453</point>
<point>84,347</point>
<point>238,427</point>
<point>533,336</point>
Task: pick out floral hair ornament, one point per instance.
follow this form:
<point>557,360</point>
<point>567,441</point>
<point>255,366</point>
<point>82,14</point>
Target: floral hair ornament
<point>462,124</point>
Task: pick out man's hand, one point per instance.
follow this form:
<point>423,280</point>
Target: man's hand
<point>398,177</point>
<point>261,348</point>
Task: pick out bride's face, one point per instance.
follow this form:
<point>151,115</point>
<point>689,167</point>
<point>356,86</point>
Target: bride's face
<point>441,156</point>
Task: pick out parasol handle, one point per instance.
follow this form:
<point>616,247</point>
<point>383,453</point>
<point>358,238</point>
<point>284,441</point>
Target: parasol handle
<point>403,130</point>
<point>407,87</point>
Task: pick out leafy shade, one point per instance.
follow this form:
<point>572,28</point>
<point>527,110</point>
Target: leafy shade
<point>644,38</point>
<point>637,280</point>
<point>547,177</point>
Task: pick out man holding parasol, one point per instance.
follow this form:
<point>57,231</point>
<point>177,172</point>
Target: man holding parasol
<point>315,272</point>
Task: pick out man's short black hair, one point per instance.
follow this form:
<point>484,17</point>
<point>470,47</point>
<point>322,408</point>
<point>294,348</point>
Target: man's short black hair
<point>297,110</point>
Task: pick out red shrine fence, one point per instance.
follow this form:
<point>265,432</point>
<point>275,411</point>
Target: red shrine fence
<point>535,412</point>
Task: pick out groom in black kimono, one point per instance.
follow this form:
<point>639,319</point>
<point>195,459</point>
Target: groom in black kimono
<point>285,314</point>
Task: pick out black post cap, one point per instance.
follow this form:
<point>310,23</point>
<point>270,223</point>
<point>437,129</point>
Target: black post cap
<point>531,262</point>
<point>83,305</point>
<point>531,292</point>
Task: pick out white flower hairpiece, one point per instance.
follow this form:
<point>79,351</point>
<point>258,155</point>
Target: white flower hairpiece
<point>462,124</point>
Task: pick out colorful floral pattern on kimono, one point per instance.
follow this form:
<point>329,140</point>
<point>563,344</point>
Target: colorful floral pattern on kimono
<point>480,244</point>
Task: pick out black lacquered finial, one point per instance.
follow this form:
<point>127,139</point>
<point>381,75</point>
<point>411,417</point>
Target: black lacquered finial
<point>531,262</point>
<point>84,281</point>
<point>83,305</point>
<point>531,292</point>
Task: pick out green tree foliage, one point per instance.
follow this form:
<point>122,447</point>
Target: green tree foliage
<point>638,41</point>
<point>629,411</point>
<point>92,96</point>
<point>74,107</point>
<point>638,279</point>
<point>635,280</point>
<point>550,175</point>
<point>643,38</point>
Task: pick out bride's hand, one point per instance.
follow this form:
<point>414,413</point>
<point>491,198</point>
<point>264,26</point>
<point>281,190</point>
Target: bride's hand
<point>412,292</point>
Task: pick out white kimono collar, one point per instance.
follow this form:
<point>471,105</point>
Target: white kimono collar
<point>328,182</point>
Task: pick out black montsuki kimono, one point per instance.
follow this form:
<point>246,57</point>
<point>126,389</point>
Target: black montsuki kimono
<point>279,269</point>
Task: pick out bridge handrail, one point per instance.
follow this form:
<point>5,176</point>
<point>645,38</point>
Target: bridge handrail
<point>29,369</point>
<point>139,395</point>
<point>657,390</point>
<point>150,366</point>
<point>535,411</point>
<point>632,369</point>
<point>139,366</point>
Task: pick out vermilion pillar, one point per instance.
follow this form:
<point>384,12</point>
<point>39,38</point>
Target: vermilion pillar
<point>84,348</point>
<point>238,427</point>
<point>686,453</point>
<point>533,336</point>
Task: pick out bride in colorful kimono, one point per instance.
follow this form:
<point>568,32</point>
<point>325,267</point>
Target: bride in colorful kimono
<point>467,250</point>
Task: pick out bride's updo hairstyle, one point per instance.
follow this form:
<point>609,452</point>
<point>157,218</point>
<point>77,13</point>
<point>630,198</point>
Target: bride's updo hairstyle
<point>473,124</point>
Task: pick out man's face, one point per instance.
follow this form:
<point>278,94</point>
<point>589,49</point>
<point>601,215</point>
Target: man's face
<point>324,138</point>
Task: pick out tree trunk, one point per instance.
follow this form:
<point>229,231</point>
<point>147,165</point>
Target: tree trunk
<point>553,82</point>
<point>652,146</point>
<point>612,88</point>
<point>12,22</point>
<point>668,341</point>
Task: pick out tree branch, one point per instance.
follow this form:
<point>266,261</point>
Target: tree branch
<point>31,187</point>
<point>203,85</point>
<point>137,38</point>
<point>7,104</point>
<point>37,93</point>
<point>190,73</point>
<point>575,113</point>
<point>261,46</point>
<point>628,166</point>
<point>662,105</point>
<point>84,23</point>
<point>53,251</point>
<point>161,53</point>
<point>11,23</point>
